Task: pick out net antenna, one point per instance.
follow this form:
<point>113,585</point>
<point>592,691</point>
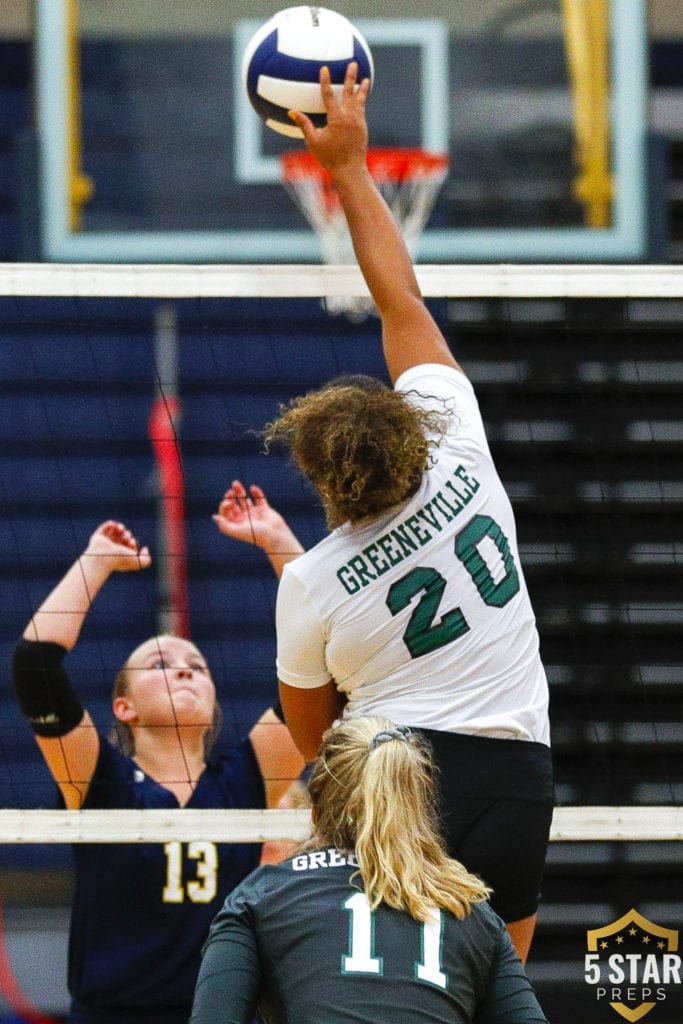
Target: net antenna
<point>164,425</point>
<point>408,179</point>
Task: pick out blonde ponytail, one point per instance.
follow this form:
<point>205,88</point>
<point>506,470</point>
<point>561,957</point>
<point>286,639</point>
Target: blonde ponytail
<point>372,791</point>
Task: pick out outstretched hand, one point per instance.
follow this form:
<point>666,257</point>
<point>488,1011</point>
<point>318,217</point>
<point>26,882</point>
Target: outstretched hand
<point>117,548</point>
<point>344,139</point>
<point>247,516</point>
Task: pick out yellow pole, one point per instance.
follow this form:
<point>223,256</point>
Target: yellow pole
<point>81,187</point>
<point>587,45</point>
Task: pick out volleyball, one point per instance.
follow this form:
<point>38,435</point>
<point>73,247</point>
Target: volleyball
<point>282,61</point>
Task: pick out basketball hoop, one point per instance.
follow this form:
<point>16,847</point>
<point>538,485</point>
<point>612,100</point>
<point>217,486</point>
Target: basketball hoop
<point>409,180</point>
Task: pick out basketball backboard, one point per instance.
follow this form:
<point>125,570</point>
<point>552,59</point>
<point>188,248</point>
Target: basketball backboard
<point>183,169</point>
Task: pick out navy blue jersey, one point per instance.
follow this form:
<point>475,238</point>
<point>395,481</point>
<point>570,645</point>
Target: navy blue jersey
<point>142,911</point>
<point>300,940</point>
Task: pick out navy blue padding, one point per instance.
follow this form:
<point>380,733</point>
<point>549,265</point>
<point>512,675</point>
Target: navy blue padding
<point>69,417</point>
<point>22,416</point>
<point>14,108</point>
<point>78,478</point>
<point>109,315</point>
<point>273,473</point>
<point>7,174</point>
<point>289,361</point>
<point>251,355</point>
<point>22,538</point>
<point>26,782</point>
<point>18,599</point>
<point>227,416</point>
<point>9,237</point>
<point>241,600</point>
<point>45,348</point>
<point>24,856</point>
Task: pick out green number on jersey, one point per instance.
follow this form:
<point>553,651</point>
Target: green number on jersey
<point>423,634</point>
<point>494,594</point>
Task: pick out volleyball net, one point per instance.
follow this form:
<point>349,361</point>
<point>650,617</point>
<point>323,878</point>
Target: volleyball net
<point>579,375</point>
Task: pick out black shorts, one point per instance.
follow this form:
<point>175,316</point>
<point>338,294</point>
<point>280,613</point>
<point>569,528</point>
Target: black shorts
<point>496,802</point>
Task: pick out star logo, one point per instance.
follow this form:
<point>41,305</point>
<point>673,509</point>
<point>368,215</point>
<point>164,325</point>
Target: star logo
<point>632,964</point>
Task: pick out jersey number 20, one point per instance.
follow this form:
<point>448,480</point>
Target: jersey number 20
<point>423,633</point>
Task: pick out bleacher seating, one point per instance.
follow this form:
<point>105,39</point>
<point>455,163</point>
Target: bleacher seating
<point>572,394</point>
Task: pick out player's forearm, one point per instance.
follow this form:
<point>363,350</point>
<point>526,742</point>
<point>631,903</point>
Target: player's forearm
<point>377,240</point>
<point>282,556</point>
<point>60,617</point>
<point>410,335</point>
<point>281,547</point>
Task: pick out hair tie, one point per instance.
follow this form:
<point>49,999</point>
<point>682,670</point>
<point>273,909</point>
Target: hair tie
<point>400,732</point>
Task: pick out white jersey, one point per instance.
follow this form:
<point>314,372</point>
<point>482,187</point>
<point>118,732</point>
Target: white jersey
<point>422,615</point>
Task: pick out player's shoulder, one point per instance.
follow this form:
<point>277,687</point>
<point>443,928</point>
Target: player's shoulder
<point>249,888</point>
<point>230,760</point>
<point>112,762</point>
<point>258,885</point>
<point>433,378</point>
<point>232,778</point>
<point>483,922</point>
<point>304,570</point>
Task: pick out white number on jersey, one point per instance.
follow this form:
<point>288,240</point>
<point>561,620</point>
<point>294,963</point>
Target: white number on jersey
<point>361,957</point>
<point>204,886</point>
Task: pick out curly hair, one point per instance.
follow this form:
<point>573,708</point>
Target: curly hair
<point>362,445</point>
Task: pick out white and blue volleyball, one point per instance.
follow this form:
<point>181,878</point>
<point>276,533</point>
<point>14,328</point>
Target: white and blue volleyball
<point>282,61</point>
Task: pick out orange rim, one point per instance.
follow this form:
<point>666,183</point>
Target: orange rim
<point>385,164</point>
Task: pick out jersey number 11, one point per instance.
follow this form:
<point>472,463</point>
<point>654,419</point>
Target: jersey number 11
<point>361,957</point>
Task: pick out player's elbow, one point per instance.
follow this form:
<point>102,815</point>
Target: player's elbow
<point>309,713</point>
<point>306,743</point>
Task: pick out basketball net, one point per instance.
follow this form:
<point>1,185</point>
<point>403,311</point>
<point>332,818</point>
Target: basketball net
<point>408,179</point>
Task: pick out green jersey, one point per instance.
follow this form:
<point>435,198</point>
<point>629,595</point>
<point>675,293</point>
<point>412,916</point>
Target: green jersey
<point>299,941</point>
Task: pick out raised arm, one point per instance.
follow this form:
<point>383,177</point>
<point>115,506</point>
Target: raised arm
<point>280,762</point>
<point>410,335</point>
<point>249,517</point>
<point>64,731</point>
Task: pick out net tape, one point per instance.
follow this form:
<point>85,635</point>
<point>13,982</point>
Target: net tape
<point>595,823</point>
<point>315,280</point>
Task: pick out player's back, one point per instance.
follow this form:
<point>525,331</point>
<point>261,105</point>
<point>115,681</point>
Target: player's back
<point>421,615</point>
<point>326,958</point>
